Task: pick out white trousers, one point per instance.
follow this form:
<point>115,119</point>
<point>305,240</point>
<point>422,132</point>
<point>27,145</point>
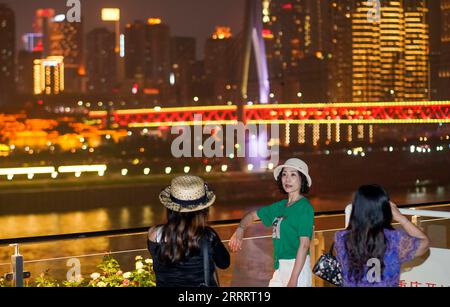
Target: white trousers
<point>283,274</point>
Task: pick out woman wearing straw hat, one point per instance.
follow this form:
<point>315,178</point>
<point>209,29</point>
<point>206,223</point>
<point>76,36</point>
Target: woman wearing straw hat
<point>177,246</point>
<point>292,221</point>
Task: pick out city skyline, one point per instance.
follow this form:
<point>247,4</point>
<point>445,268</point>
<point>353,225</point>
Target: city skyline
<point>173,13</point>
<point>313,51</point>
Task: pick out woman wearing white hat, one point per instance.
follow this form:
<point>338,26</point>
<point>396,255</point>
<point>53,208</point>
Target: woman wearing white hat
<point>178,247</point>
<point>292,222</point>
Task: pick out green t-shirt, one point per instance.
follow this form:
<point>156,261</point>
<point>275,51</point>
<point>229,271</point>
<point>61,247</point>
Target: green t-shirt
<point>288,225</point>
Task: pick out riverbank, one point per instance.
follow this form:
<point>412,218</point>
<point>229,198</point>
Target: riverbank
<point>411,178</point>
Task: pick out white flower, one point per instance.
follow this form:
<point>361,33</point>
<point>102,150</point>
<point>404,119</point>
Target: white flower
<point>101,284</point>
<point>139,265</point>
<point>94,276</point>
<point>138,258</point>
<point>140,271</point>
<point>127,275</point>
<point>148,260</point>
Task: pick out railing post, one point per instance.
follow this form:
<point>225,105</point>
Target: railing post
<point>17,266</point>
<point>348,212</point>
<point>312,252</point>
<point>319,244</point>
<point>416,220</point>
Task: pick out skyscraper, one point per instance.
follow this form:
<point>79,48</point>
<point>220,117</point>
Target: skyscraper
<point>42,25</point>
<point>101,63</point>
<point>7,53</point>
<point>340,70</point>
<point>220,73</point>
<point>435,25</point>
<point>48,75</point>
<point>135,49</point>
<point>286,22</point>
<point>298,34</point>
<point>444,71</point>
<point>390,56</point>
<point>183,57</point>
<point>25,66</point>
<point>200,85</point>
<point>147,57</point>
<point>157,52</point>
<point>66,40</point>
<point>417,49</point>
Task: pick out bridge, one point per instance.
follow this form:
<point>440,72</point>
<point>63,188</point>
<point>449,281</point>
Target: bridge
<point>319,113</point>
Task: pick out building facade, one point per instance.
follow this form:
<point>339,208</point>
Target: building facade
<point>66,40</point>
<point>182,58</point>
<point>390,55</point>
<point>7,54</point>
<point>147,59</point>
<point>48,75</point>
<point>101,61</point>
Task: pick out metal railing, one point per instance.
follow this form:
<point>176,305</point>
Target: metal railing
<point>317,245</point>
<point>410,211</point>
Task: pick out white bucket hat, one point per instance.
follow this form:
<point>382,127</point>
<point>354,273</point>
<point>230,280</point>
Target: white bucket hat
<point>294,163</point>
<point>187,194</point>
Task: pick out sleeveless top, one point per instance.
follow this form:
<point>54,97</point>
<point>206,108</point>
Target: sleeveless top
<point>190,272</point>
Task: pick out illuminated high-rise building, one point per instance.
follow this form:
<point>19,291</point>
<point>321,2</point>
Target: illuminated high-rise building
<point>66,40</point>
<point>217,52</point>
<point>286,22</point>
<point>366,55</point>
<point>42,25</point>
<point>135,49</point>
<point>157,60</point>
<point>101,60</point>
<point>300,29</point>
<point>147,60</point>
<point>7,53</point>
<point>390,56</point>
<point>25,66</point>
<point>147,53</point>
<point>435,26</point>
<point>392,43</point>
<point>114,15</point>
<point>340,70</point>
<point>444,63</point>
<point>314,69</point>
<point>220,52</point>
<point>183,57</point>
<point>298,36</point>
<point>48,75</point>
<point>416,50</point>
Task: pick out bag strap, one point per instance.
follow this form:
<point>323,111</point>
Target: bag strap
<point>205,261</point>
<point>331,249</point>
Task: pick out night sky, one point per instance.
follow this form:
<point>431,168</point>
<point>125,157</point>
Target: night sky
<point>195,18</point>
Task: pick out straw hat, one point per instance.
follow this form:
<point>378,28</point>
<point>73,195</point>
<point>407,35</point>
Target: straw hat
<point>294,163</point>
<point>187,194</point>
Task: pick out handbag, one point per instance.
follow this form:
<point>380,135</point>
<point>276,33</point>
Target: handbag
<point>329,269</point>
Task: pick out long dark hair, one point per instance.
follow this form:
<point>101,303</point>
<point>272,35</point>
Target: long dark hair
<point>181,235</point>
<point>371,214</point>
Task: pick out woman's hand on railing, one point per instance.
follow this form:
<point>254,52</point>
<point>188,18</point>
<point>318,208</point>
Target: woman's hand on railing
<point>236,240</point>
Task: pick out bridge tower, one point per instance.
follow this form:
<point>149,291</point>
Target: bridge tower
<point>252,37</point>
